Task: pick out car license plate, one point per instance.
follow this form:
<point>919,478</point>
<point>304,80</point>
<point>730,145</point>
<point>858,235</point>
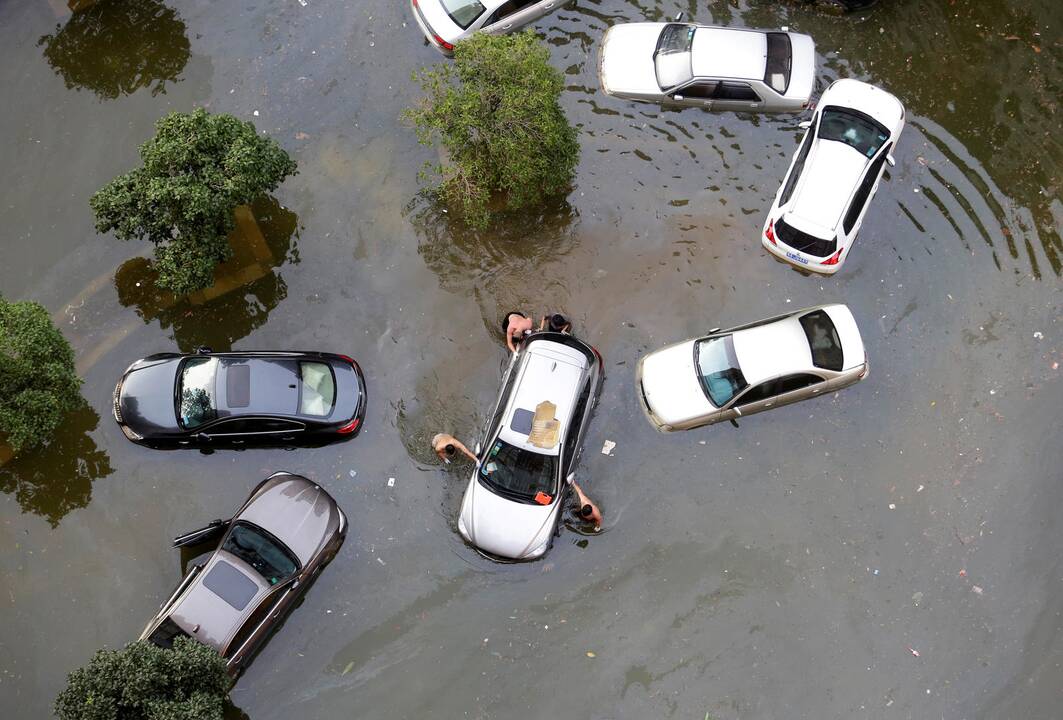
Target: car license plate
<point>798,258</point>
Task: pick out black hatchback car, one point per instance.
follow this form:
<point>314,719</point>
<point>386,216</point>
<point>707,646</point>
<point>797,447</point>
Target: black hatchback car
<point>210,399</point>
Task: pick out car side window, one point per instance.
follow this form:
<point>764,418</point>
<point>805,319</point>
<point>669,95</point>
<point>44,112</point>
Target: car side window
<point>577,421</point>
<point>507,9</point>
<point>232,427</point>
<point>252,622</point>
<point>795,382</point>
<point>799,165</point>
<point>757,393</point>
<point>735,91</point>
<point>862,193</point>
<point>703,89</point>
<point>254,425</point>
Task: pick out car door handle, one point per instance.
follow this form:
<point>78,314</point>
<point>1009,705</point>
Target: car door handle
<point>768,405</point>
<point>548,5</point>
<point>507,27</point>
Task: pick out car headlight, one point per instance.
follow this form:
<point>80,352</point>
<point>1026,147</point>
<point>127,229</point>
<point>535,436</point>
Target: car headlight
<point>130,434</point>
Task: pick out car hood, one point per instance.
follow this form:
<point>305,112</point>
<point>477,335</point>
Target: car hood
<point>625,62</point>
<point>671,387</point>
<point>297,512</point>
<point>503,527</point>
<point>802,67</point>
<point>147,397</point>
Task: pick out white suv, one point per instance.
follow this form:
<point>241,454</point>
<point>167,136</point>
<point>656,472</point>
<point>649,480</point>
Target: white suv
<point>822,202</point>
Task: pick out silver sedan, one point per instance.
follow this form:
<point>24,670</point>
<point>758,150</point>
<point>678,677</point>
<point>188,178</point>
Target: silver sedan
<point>709,67</point>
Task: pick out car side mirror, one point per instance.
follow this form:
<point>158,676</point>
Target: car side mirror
<point>202,437</point>
<point>805,124</point>
<point>571,478</point>
<point>738,412</point>
<point>203,350</point>
<point>714,330</point>
<point>477,450</point>
<point>890,160</point>
<point>678,98</point>
<point>679,17</point>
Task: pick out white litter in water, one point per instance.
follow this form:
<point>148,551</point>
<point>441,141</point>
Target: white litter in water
<point>352,473</point>
<point>607,447</point>
<point>391,482</point>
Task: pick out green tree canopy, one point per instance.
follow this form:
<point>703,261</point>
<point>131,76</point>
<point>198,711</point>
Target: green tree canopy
<point>195,171</point>
<point>145,682</point>
<point>38,383</point>
<point>496,114</point>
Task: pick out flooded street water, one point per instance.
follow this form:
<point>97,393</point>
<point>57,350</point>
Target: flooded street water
<point>757,572</point>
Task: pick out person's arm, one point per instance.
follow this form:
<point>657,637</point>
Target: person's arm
<point>461,446</point>
<point>509,340</point>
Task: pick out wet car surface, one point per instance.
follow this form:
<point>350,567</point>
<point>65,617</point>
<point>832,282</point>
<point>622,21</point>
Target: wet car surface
<point>762,574</point>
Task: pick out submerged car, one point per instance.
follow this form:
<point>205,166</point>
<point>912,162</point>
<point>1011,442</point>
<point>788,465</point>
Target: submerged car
<point>270,552</point>
<point>752,368</point>
<point>445,22</point>
<point>824,197</point>
<point>209,399</point>
<point>709,67</point>
<point>532,442</point>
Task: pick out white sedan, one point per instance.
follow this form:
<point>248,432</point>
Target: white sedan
<point>445,22</point>
<point>752,368</point>
<point>708,67</point>
<point>822,202</point>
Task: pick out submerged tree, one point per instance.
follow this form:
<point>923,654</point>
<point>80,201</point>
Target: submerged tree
<point>197,169</point>
<point>496,114</point>
<point>38,382</point>
<point>145,682</point>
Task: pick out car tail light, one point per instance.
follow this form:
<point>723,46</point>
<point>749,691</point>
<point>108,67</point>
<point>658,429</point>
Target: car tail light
<point>770,232</point>
<point>349,427</point>
<point>443,43</point>
<point>833,259</point>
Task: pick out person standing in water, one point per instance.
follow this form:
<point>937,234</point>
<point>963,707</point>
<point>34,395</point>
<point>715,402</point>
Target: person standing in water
<point>447,446</point>
<point>586,510</point>
<point>516,325</point>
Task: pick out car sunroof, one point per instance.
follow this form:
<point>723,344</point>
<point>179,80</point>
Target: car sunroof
<point>230,585</point>
<point>238,386</point>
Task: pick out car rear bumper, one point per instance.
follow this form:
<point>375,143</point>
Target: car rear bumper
<point>790,257</point>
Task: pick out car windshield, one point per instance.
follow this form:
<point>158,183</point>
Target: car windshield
<point>520,474</point>
<point>258,549</point>
<point>463,12</point>
<point>823,340</point>
<point>721,377</point>
<point>672,57</point>
<point>854,129</point>
<point>196,391</point>
<point>318,392</point>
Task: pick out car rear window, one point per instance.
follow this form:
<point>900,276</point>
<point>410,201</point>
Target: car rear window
<point>166,633</point>
<point>777,70</point>
<point>463,12</point>
<point>196,391</point>
<point>672,56</point>
<point>823,340</point>
<point>317,393</point>
<point>803,242</point>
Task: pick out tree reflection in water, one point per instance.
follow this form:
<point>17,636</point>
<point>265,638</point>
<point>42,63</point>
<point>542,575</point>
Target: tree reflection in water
<point>58,478</point>
<point>116,47</point>
<point>505,264</point>
<point>223,320</point>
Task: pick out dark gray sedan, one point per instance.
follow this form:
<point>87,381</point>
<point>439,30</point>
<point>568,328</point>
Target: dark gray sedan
<point>270,552</point>
<point>209,399</point>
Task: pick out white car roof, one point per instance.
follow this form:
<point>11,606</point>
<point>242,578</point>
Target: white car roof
<point>726,52</point>
<point>868,99</point>
<point>551,373</point>
<point>769,351</point>
<point>831,174</point>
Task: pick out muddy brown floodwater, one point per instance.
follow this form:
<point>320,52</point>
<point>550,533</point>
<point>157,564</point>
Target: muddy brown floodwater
<point>749,573</point>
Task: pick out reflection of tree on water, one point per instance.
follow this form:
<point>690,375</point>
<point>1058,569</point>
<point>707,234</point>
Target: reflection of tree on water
<point>222,320</point>
<point>116,47</point>
<point>56,479</point>
<point>503,265</point>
